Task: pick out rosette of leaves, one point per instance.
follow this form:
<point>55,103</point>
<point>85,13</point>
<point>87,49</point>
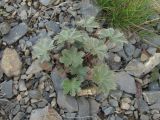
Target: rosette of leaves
<point>41,49</point>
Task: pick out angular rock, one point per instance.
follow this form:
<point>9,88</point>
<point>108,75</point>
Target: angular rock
<point>34,94</point>
<point>129,49</point>
<point>7,88</point>
<point>67,102</point>
<point>154,86</point>
<point>108,110</point>
<point>19,116</point>
<point>4,28</point>
<point>94,107</point>
<point>46,113</point>
<point>15,33</point>
<point>10,63</point>
<point>84,107</point>
<point>53,26</point>
<point>126,82</point>
<point>135,68</point>
<point>22,85</point>
<point>34,68</point>
<point>143,106</point>
<point>16,109</point>
<point>151,96</point>
<point>155,106</point>
<point>45,2</point>
<point>116,94</point>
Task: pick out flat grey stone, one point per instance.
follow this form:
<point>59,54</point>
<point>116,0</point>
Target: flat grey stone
<point>22,85</point>
<point>19,116</point>
<point>45,2</point>
<point>143,106</point>
<point>15,33</point>
<point>84,107</point>
<point>16,109</point>
<point>129,49</point>
<point>94,107</point>
<point>7,88</point>
<point>4,28</point>
<point>126,82</point>
<point>67,102</point>
<point>154,86</point>
<point>144,117</point>
<point>151,96</point>
<point>53,26</point>
<point>108,110</point>
<point>116,94</point>
<point>155,106</point>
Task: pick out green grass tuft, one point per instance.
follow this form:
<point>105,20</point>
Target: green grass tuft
<point>125,13</point>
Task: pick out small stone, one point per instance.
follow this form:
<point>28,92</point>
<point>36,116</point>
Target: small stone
<point>9,58</point>
<point>29,109</point>
<point>15,33</point>
<point>53,26</point>
<point>143,106</point>
<point>129,49</point>
<point>53,103</point>
<point>144,57</point>
<point>154,86</point>
<point>1,72</point>
<point>7,88</point>
<point>137,53</point>
<point>129,86</point>
<point>151,96</point>
<point>156,116</point>
<point>94,107</point>
<point>117,58</point>
<point>116,94</point>
<point>4,28</point>
<point>45,2</point>
<point>108,111</point>
<point>144,117</point>
<point>16,109</point>
<point>125,103</point>
<point>34,68</point>
<point>34,94</point>
<point>42,104</point>
<point>23,15</point>
<point>152,50</point>
<point>135,68</point>
<point>113,102</point>
<point>155,106</point>
<point>19,116</point>
<point>22,85</point>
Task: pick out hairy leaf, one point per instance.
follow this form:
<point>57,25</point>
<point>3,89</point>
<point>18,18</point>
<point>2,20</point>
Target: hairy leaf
<point>104,78</point>
<point>88,23</point>
<point>71,57</point>
<point>114,35</point>
<point>80,71</point>
<point>68,35</point>
<point>71,86</point>
<point>41,49</point>
<point>95,47</point>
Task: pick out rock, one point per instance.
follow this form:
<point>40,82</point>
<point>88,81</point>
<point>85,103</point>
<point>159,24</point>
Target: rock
<point>116,94</point>
<point>129,86</point>
<point>94,107</point>
<point>84,107</point>
<point>34,94</point>
<point>135,68</point>
<point>154,86</point>
<point>67,102</point>
<point>45,2</point>
<point>7,88</point>
<point>156,116</point>
<point>42,104</point>
<point>22,85</point>
<point>144,57</point>
<point>23,15</point>
<point>1,72</point>
<point>137,53</point>
<point>155,106</point>
<point>101,97</point>
<point>46,113</point>
<point>34,68</point>
<point>143,106</point>
<point>4,28</point>
<point>15,33</point>
<point>29,109</point>
<point>125,103</point>
<point>53,26</point>
<point>152,50</point>
<point>10,63</point>
<point>19,116</point>
<point>16,109</point>
<point>113,103</point>
<point>151,96</point>
<point>108,110</point>
<point>122,54</point>
<point>87,9</point>
<point>129,49</point>
<point>144,117</point>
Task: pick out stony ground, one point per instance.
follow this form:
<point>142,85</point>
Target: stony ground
<point>27,92</point>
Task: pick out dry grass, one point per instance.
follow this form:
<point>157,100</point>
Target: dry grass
<point>156,5</point>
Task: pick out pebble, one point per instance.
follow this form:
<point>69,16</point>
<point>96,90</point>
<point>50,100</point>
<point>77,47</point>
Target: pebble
<point>42,104</point>
<point>53,103</point>
<point>34,94</point>
<point>125,103</point>
<point>45,2</point>
<point>53,26</point>
<point>156,116</point>
<point>113,103</point>
<point>22,85</point>
<point>4,28</point>
<point>16,109</point>
<point>144,117</point>
<point>137,53</point>
<point>7,89</point>
<point>23,15</point>
<point>19,116</point>
<point>116,94</point>
<point>129,49</point>
<point>9,58</point>
<point>151,50</point>
<point>29,109</point>
<point>144,57</point>
<point>154,86</point>
<point>129,86</point>
<point>108,110</point>
<point>151,96</point>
